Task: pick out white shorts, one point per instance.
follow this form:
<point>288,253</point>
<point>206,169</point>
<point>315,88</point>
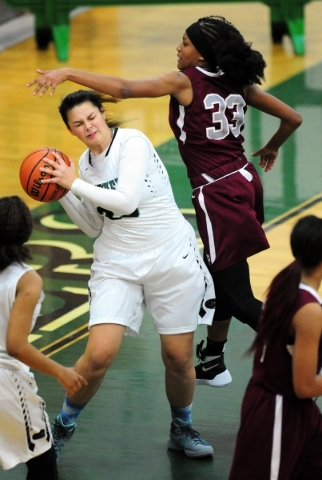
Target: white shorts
<point>24,425</point>
<point>172,281</point>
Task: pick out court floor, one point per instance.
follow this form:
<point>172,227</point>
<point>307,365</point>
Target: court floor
<point>122,433</point>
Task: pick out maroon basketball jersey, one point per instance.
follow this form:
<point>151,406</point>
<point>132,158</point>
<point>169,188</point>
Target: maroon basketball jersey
<point>273,363</point>
<point>208,131</point>
<point>280,435</point>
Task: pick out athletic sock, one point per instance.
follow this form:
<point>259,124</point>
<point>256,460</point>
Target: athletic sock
<point>70,411</point>
<point>214,349</point>
<point>183,414</point>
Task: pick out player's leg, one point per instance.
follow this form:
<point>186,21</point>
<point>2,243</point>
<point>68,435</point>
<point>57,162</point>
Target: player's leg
<point>103,344</point>
<point>43,466</point>
<point>177,356</point>
<point>229,216</point>
<point>116,304</point>
<point>235,288</point>
<point>179,293</point>
<point>211,369</point>
<point>234,298</point>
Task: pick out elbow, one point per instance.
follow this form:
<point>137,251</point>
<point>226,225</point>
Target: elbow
<point>13,350</point>
<point>128,211</point>
<point>92,233</point>
<point>303,391</point>
<point>296,120</point>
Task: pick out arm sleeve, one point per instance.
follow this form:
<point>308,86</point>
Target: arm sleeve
<point>133,164</point>
<point>83,214</point>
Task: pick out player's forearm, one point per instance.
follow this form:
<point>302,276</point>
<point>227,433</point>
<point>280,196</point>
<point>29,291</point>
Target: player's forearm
<point>113,200</point>
<point>29,355</point>
<point>114,86</point>
<point>286,129</point>
<point>88,221</point>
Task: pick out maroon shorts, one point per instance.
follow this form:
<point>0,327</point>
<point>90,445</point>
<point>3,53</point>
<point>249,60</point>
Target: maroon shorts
<point>279,438</point>
<point>230,214</point>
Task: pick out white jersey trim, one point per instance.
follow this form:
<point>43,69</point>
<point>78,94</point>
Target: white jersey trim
<point>277,438</point>
<point>311,290</point>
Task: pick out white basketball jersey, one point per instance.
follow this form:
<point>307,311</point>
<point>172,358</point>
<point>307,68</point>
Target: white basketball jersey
<point>9,277</point>
<point>156,216</point>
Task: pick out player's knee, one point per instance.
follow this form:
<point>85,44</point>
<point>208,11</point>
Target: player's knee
<point>99,361</point>
<point>248,311</point>
<point>178,362</point>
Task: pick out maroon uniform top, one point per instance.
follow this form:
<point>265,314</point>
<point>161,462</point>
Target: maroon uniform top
<point>228,194</point>
<point>280,435</point>
<point>273,364</point>
<point>208,131</point>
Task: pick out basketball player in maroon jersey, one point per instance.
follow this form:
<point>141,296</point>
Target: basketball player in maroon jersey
<point>280,436</point>
<point>218,77</point>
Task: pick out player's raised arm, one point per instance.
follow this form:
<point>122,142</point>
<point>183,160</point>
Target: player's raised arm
<point>169,83</point>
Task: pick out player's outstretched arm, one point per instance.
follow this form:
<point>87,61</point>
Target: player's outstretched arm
<point>169,83</point>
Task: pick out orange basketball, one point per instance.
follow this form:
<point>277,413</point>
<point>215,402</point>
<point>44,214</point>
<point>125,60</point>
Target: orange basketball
<point>30,176</point>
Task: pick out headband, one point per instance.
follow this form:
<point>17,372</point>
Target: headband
<point>200,42</point>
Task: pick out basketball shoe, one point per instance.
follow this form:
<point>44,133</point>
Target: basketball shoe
<point>185,439</point>
<point>211,371</point>
<point>61,434</point>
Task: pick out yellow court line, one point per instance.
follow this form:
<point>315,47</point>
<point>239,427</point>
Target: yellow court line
<point>69,344</point>
<point>64,319</point>
<point>293,210</point>
<point>187,211</point>
<point>63,338</point>
<point>266,264</point>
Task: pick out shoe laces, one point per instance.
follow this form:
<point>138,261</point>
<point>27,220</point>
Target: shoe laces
<point>201,355</point>
<point>199,351</point>
<point>193,434</point>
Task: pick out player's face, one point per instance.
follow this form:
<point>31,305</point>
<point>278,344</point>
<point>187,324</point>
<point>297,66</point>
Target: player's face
<point>88,124</point>
<point>188,56</point>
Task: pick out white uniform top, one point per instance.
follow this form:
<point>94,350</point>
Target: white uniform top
<point>134,208</point>
<point>9,277</point>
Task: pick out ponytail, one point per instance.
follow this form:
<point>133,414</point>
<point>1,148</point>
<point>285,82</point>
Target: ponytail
<point>280,305</point>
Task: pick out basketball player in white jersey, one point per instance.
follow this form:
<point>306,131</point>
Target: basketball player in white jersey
<point>25,435</point>
<point>145,256</point>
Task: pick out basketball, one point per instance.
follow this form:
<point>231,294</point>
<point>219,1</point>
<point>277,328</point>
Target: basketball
<point>30,176</point>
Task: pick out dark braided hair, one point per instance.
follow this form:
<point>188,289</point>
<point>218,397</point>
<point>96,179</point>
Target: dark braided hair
<point>81,96</point>
<point>16,227</point>
<point>234,56</point>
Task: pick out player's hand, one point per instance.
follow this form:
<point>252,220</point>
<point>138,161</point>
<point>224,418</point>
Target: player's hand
<point>62,174</point>
<point>71,380</point>
<point>267,158</point>
<point>49,79</point>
